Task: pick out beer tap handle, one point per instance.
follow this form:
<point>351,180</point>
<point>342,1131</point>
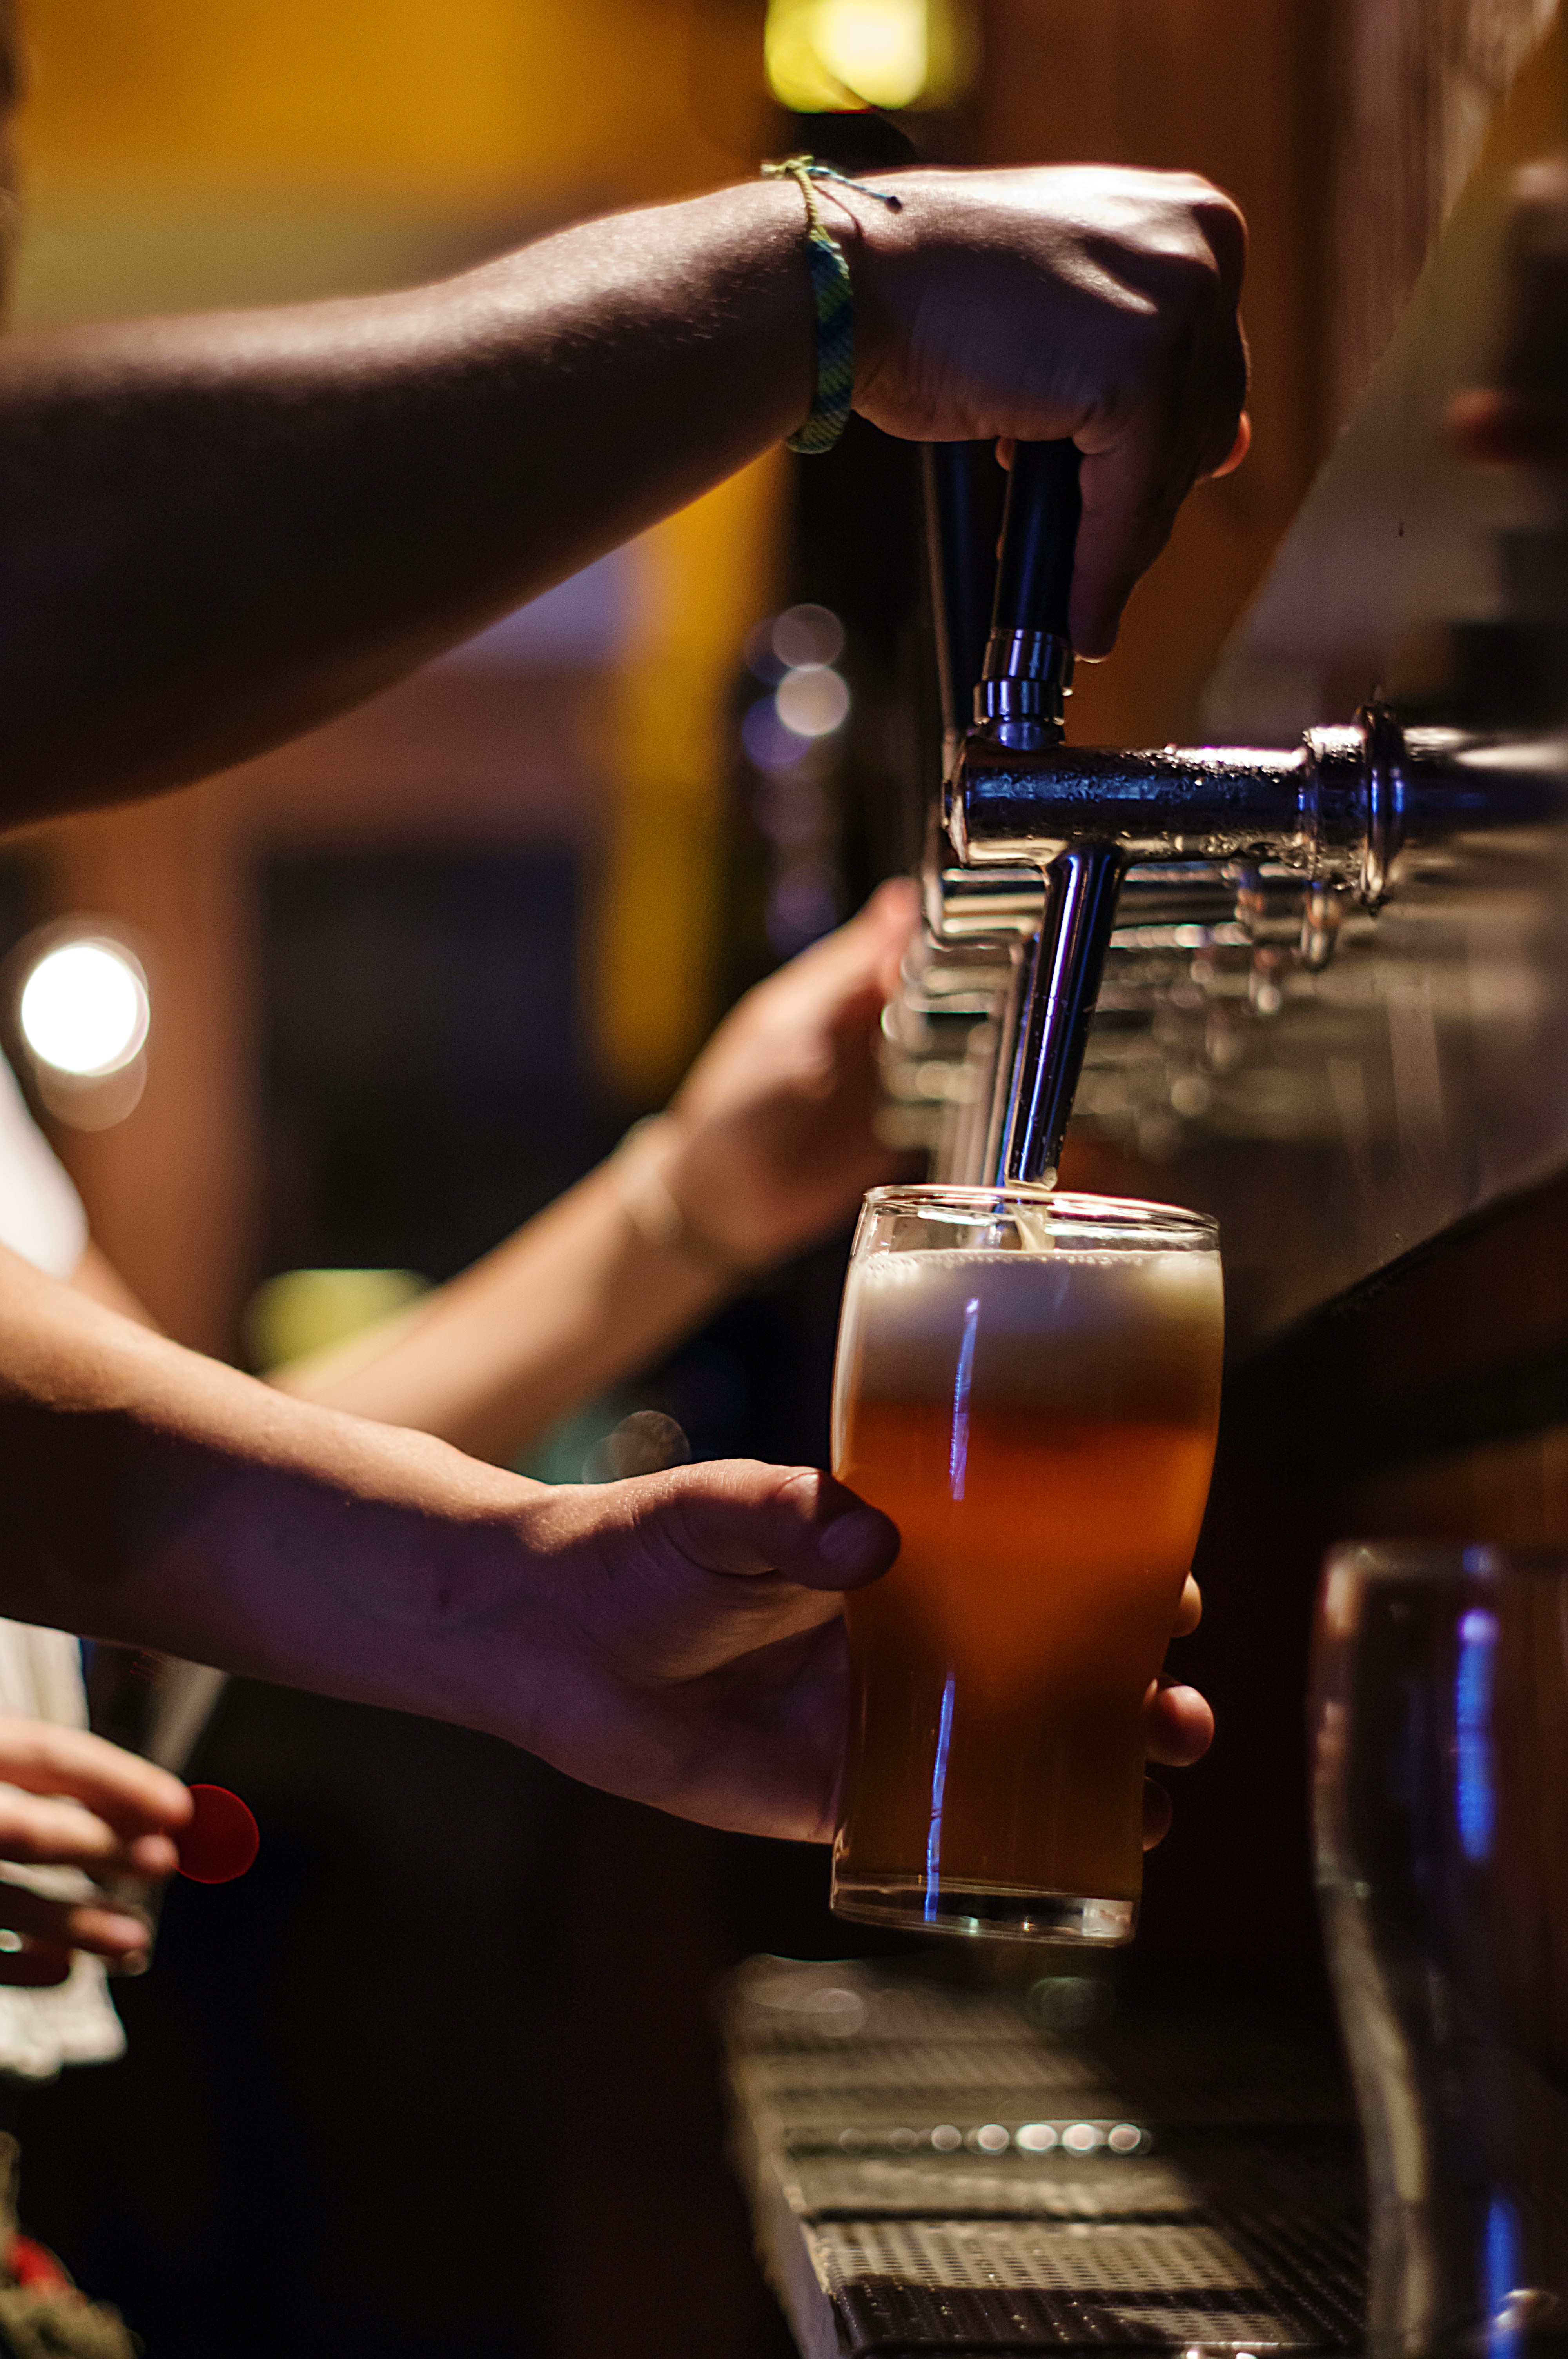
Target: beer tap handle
<point>1028,673</point>
<point>1039,531</point>
<point>964,488</point>
<point>1028,667</point>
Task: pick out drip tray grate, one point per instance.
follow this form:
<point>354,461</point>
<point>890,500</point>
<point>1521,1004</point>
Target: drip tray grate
<point>934,2171</point>
<point>952,2286</point>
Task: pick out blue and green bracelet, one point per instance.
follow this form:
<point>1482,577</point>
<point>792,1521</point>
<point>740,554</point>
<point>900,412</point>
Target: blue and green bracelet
<point>833,296</point>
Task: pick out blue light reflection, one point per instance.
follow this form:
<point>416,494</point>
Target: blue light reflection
<point>1475,1801</point>
<point>938,1789</point>
<point>1502,2264</point>
<point>958,1446</point>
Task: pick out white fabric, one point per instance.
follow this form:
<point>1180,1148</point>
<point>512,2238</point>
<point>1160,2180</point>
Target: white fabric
<point>40,1213</point>
<point>41,1219</point>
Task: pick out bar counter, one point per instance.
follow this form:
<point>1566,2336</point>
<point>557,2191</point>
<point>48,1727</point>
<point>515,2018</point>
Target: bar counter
<point>938,2168</point>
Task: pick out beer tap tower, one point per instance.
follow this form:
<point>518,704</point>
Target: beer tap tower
<point>1036,839</point>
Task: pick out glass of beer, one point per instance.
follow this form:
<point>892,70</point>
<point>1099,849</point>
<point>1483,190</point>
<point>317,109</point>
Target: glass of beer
<point>1028,1383</point>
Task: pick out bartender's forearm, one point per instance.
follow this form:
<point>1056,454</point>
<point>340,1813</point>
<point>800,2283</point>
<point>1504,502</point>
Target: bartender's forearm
<point>158,1498</point>
<point>216,531</point>
<point>566,1308</point>
<point>676,1640</point>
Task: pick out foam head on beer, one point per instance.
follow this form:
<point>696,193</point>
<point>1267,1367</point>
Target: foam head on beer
<point>1123,1333</point>
<point>1039,1421</point>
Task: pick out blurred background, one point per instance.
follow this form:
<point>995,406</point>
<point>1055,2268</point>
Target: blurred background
<point>438,2078</point>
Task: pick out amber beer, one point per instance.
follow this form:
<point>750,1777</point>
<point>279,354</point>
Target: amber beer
<point>1035,1404</point>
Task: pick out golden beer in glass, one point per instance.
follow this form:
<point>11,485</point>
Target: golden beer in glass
<point>1028,1383</point>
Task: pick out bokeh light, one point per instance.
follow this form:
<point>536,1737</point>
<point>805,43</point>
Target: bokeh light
<point>768,740</point>
<point>806,635</point>
<point>813,700</point>
<point>84,1008</point>
<point>827,54</point>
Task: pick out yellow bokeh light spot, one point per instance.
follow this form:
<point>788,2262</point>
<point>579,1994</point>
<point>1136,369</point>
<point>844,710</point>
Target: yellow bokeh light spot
<point>827,54</point>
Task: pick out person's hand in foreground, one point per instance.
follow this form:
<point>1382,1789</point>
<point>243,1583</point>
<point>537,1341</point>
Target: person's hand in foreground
<point>675,1638</point>
<point>713,1668</point>
<point>70,1800</point>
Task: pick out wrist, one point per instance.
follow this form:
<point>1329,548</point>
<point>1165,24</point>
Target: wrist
<point>886,239</point>
<point>658,1198</point>
<point>763,228</point>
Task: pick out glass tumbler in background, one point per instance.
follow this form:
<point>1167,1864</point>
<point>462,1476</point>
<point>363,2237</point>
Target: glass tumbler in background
<point>1029,1385</point>
<point>1441,1801</point>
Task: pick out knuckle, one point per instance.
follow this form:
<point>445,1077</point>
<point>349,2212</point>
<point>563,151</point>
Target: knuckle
<point>1196,270</point>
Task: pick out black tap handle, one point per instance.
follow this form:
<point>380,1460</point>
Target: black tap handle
<point>964,490</point>
<point>1039,530</point>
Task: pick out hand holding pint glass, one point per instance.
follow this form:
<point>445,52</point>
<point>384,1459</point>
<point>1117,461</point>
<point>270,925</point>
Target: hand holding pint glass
<point>1028,1383</point>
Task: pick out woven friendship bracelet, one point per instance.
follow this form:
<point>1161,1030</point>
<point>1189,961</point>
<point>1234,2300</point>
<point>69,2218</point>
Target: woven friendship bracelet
<point>833,296</point>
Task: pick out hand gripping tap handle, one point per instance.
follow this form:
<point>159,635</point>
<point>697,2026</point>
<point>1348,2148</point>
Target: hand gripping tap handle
<point>1028,673</point>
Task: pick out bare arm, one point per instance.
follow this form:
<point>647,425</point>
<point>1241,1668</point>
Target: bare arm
<point>217,531</point>
<point>577,1299</point>
<point>96,1277</point>
<point>675,1638</point>
<point>769,1145</point>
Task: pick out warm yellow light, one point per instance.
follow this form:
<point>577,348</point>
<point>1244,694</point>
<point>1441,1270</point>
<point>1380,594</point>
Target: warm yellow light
<point>827,54</point>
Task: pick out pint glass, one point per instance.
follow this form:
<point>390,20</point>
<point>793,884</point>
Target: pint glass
<point>1028,1383</point>
<point>1441,1680</point>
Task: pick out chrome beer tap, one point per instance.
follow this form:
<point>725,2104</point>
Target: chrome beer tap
<point>1038,842</point>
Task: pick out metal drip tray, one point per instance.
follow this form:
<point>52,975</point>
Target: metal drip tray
<point>1018,2064</point>
<point>965,2185</point>
<point>996,2186</point>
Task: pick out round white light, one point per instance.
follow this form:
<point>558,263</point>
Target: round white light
<point>84,1008</point>
<point>813,702</point>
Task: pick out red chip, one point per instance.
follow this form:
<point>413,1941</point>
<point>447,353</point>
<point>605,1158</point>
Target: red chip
<point>222,1839</point>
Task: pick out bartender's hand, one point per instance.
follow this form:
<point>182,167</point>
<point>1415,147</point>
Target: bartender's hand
<point>1086,301</point>
<point>67,1800</point>
<point>771,1143</point>
<point>702,1665</point>
<point>324,495</point>
<point>707,1670</point>
<point>675,1638</point>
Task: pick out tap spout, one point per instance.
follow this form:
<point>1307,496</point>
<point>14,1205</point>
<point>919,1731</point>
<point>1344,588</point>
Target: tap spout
<point>1048,1014</point>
